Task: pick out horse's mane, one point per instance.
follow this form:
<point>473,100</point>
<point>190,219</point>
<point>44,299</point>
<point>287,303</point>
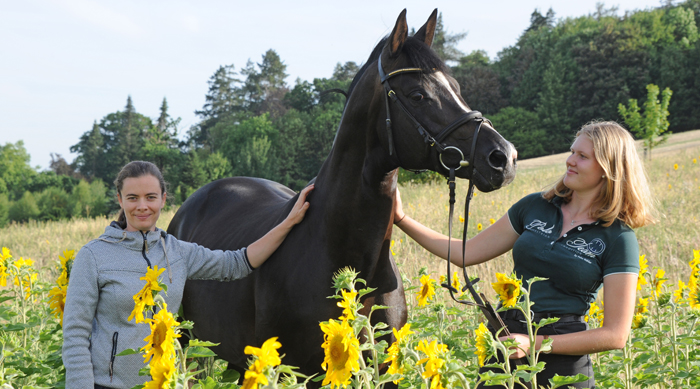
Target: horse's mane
<point>419,54</point>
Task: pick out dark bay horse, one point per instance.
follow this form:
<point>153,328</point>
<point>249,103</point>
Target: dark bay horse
<point>350,219</point>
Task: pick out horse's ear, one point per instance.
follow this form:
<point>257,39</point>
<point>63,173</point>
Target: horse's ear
<point>399,34</point>
<point>427,32</point>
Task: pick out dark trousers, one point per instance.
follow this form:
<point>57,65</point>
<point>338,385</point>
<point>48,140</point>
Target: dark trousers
<point>563,365</point>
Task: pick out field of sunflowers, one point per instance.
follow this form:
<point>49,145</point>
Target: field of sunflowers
<point>442,345</point>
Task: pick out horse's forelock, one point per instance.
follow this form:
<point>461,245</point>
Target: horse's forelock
<point>419,55</point>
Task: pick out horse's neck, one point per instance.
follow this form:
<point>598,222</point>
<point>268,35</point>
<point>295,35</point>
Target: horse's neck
<point>356,183</point>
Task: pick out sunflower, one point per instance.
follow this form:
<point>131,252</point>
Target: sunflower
<point>678,293</point>
<point>267,354</point>
<point>144,298</point>
<point>4,257</point>
<point>57,300</point>
<point>594,312</point>
<point>427,291</point>
<point>455,282</point>
<point>642,306</point>
<point>693,264</point>
<point>159,346</point>
<point>29,277</point>
<point>348,304</point>
<point>254,376</point>
<point>161,376</point>
<point>479,227</point>
<point>394,351</point>
<point>433,362</point>
<point>638,321</point>
<point>508,289</point>
<point>658,281</point>
<point>693,292</point>
<point>642,270</point>
<point>483,343</point>
<point>342,353</point>
<point>66,266</point>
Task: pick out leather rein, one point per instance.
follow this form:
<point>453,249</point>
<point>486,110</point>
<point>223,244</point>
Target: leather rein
<point>479,299</point>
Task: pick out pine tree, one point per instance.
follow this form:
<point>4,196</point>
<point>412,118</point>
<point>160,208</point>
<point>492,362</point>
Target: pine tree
<point>223,99</point>
<point>445,44</point>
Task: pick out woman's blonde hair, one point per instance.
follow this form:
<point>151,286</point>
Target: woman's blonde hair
<point>625,194</point>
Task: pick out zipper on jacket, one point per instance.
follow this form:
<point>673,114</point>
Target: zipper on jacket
<point>145,248</point>
<point>114,354</point>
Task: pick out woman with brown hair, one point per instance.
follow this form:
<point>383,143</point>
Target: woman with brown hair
<point>107,272</point>
<point>578,235</point>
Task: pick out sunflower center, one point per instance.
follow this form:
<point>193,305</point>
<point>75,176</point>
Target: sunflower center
<point>338,354</point>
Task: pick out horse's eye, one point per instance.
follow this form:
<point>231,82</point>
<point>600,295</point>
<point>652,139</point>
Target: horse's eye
<point>416,96</point>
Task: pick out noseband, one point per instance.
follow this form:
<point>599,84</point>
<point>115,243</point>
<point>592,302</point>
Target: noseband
<point>479,299</point>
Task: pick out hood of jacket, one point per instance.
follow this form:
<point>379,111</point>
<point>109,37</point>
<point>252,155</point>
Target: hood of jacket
<point>131,239</point>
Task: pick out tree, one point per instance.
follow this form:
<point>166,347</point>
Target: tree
<point>265,87</point>
<point>24,209</point>
<point>53,204</point>
<point>129,135</point>
<point>4,209</point>
<point>162,147</point>
<point>217,166</point>
<point>653,124</point>
<point>247,146</point>
<point>522,128</point>
<point>60,166</point>
<point>15,171</point>
<point>223,99</point>
<point>90,161</point>
<point>479,83</point>
<point>445,44</point>
<point>537,20</point>
<point>193,174</point>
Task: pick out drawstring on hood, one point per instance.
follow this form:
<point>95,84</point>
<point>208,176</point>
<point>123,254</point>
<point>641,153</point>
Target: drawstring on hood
<point>163,234</point>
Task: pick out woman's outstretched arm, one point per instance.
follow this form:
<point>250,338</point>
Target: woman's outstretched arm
<point>488,244</point>
<point>260,250</point>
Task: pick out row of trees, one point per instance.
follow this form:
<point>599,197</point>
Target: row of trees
<point>563,73</point>
<point>55,194</point>
<point>560,74</point>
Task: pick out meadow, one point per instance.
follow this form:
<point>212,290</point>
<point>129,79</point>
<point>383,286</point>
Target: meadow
<point>660,352</point>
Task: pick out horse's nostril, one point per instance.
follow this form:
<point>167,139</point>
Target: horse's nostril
<point>498,160</point>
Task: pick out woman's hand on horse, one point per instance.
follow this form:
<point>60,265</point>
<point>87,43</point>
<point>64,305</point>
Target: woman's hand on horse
<point>296,215</point>
<point>398,207</point>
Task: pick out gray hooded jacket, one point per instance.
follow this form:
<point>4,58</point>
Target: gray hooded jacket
<point>105,276</point>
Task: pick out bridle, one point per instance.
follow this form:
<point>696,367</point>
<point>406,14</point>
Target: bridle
<point>479,299</point>
<point>436,141</point>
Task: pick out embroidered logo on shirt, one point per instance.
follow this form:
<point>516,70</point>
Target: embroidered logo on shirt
<point>596,247</point>
<point>539,225</point>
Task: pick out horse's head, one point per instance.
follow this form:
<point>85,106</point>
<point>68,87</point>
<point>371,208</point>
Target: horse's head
<point>426,123</point>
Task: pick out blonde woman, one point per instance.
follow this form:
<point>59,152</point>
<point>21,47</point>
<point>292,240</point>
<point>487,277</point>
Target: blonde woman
<point>579,236</point>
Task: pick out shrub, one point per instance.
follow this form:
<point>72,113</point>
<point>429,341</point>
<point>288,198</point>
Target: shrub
<point>4,209</point>
<point>24,209</point>
<point>53,204</point>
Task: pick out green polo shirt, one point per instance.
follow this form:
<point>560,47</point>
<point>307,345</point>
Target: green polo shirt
<point>575,263</point>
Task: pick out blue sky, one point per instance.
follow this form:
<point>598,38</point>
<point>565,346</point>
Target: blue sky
<point>67,63</point>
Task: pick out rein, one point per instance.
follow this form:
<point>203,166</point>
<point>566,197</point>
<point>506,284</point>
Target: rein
<point>479,299</point>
